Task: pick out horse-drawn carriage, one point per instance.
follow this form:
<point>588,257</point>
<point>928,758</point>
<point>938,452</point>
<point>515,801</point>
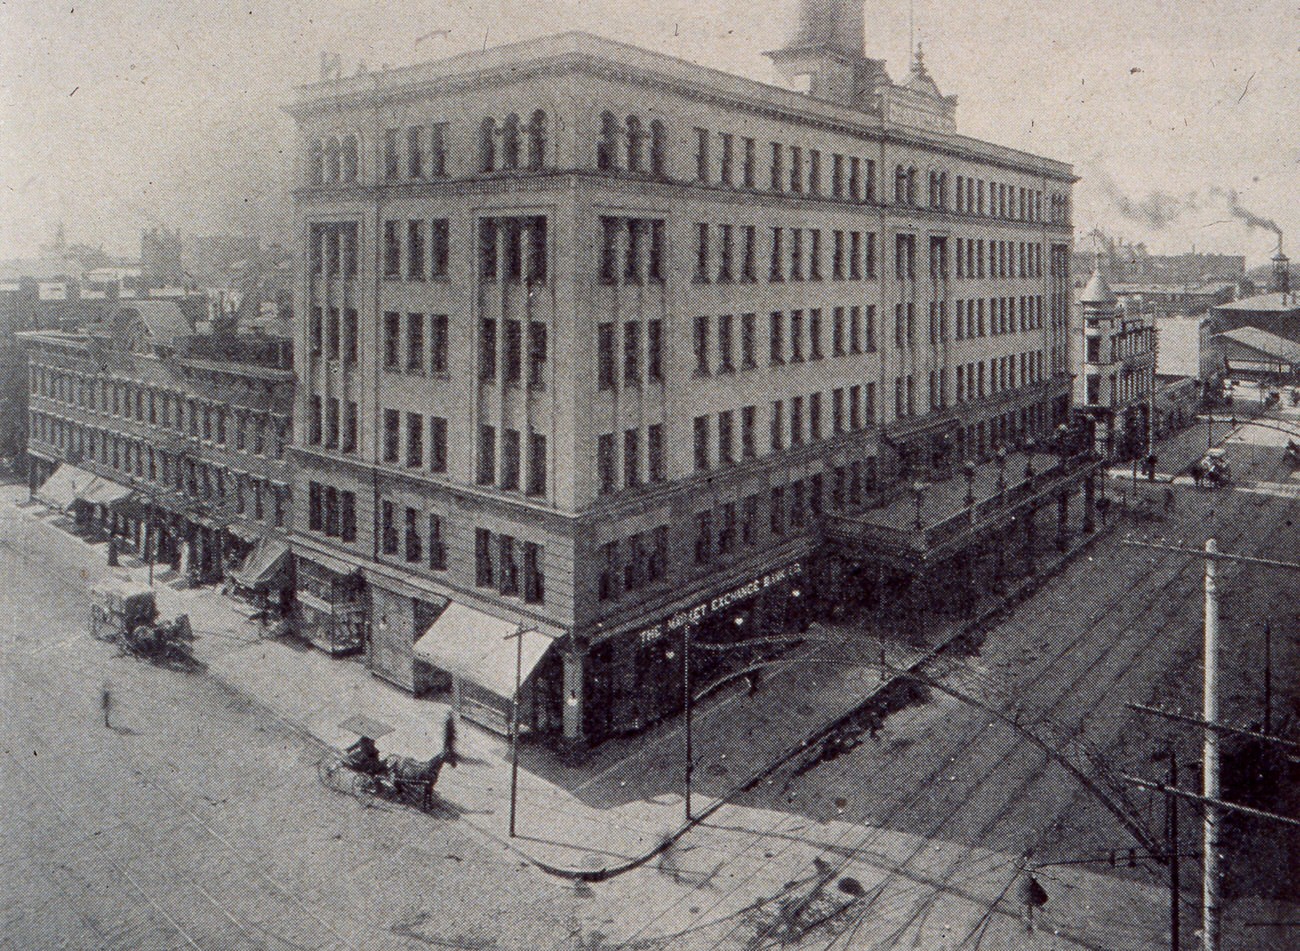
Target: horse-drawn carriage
<point>361,772</point>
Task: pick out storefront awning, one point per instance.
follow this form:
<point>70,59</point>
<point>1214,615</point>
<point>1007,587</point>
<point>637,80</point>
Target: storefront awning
<point>480,648</point>
<point>263,564</point>
<point>103,492</point>
<point>61,489</point>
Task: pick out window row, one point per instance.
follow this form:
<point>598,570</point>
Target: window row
<point>732,435</point>
<point>508,348</point>
<point>426,246</point>
<point>629,145</point>
<point>735,249</point>
<point>791,338</point>
<point>333,424</point>
<point>334,333</point>
<point>639,467</point>
<point>631,563</point>
<point>1005,259</point>
<point>977,379</point>
<point>639,242</point>
<point>722,530</point>
<point>1009,202</point>
<point>502,466</point>
<point>332,511</point>
<point>333,159</point>
<point>333,248</point>
<point>513,144</point>
<point>1004,315</point>
<point>248,495</point>
<point>642,353</point>
<point>497,562</point>
<point>407,351</point>
<point>244,430</point>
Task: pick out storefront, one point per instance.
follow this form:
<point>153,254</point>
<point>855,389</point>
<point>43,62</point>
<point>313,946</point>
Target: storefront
<point>634,678</point>
<point>331,604</point>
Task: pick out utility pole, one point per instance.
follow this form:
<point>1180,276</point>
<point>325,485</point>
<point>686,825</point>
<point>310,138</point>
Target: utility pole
<point>1268,677</point>
<point>687,700</point>
<point>1175,893</point>
<point>1210,910</point>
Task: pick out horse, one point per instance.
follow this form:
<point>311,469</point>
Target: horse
<point>408,775</point>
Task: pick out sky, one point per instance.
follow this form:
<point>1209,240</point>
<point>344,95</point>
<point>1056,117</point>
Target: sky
<point>117,115</point>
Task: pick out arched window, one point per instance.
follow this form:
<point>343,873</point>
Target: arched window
<point>634,136</point>
<point>487,145</point>
<point>607,147</point>
<point>316,163</point>
<point>911,186</point>
<point>657,147</point>
<point>332,160</point>
<point>349,159</point>
<point>943,189</point>
<point>934,189</point>
<point>510,142</point>
<point>900,185</point>
<point>537,140</point>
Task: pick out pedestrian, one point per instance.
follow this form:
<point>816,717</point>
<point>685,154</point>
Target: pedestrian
<point>1169,499</point>
<point>1103,506</point>
<point>106,702</point>
<point>1197,474</point>
<point>874,723</point>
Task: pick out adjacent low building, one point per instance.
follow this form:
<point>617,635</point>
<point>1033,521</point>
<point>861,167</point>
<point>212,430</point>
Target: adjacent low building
<point>173,443</point>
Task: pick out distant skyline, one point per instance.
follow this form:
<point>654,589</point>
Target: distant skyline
<point>122,115</point>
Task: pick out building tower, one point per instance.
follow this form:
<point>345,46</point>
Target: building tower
<point>1281,283</point>
<point>826,52</point>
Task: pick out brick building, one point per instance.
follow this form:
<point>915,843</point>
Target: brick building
<point>592,337</point>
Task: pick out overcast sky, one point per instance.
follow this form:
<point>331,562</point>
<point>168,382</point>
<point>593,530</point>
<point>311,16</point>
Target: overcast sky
<point>121,114</point>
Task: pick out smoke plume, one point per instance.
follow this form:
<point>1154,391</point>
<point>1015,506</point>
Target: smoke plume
<point>1159,209</point>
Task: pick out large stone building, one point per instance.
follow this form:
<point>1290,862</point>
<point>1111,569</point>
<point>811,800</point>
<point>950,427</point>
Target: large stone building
<point>593,337</point>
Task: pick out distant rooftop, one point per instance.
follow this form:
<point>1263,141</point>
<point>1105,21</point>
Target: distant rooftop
<point>1267,343</point>
<point>1275,302</point>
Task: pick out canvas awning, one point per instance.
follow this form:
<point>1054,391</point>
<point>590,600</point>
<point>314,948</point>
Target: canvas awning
<point>479,648</point>
<point>62,487</point>
<point>263,564</point>
<point>103,492</point>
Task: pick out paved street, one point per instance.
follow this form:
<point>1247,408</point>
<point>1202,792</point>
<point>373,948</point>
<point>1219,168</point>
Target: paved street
<point>196,820</point>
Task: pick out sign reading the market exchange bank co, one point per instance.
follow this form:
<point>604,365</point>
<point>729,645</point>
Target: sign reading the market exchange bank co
<point>720,603</point>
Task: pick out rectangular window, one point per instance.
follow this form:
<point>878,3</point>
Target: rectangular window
<point>511,448</point>
<point>632,352</point>
<point>350,333</point>
<point>392,434</point>
<point>748,416</point>
<point>415,343</point>
<point>315,507</point>
<point>392,249</point>
<point>537,348</point>
<point>655,452</point>
<point>331,423</point>
<point>317,421</point>
<point>701,345</point>
<point>776,343</point>
<point>349,440</point>
<point>837,257</point>
<point>415,250</point>
<point>776,510</point>
<point>437,546</point>
<point>796,169</point>
<point>388,530</point>
<point>605,356</point>
<point>726,157</point>
<point>536,464</point>
<point>609,571</point>
<point>796,254</point>
<point>487,455</point>
<point>534,580</point>
<point>702,155</point>
<point>701,437</point>
<point>725,364</point>
<point>815,254</point>
<point>777,176</point>
<point>487,249</point>
<point>392,162</point>
<point>487,349</point>
<point>748,332</point>
<point>815,415</point>
<point>631,458</point>
<point>727,528</point>
<point>869,262</point>
<point>748,172</point>
<point>654,350</point>
<point>632,254</point>
<point>703,537</point>
<point>605,462</point>
<point>796,421</point>
<point>482,558</point>
<point>437,444</point>
<point>392,340</point>
<point>837,176</point>
<point>724,253</point>
<point>796,336</point>
<point>725,450</point>
<point>413,544</point>
<point>702,253</point>
<point>439,248</point>
<point>748,267</point>
<point>437,343</point>
<point>854,181</point>
<point>815,334</point>
<point>317,331</point>
<point>778,426</point>
<point>654,268</point>
<point>608,250</point>
<point>514,356</point>
<point>837,411</point>
<point>776,270</point>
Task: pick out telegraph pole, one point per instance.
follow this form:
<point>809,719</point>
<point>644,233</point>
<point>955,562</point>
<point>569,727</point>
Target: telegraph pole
<point>1175,892</point>
<point>1268,677</point>
<point>1210,910</point>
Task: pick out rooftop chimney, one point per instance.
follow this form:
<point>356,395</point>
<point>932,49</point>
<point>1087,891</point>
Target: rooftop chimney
<point>1281,283</point>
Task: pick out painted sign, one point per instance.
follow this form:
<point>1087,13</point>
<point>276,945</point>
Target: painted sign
<point>720,603</point>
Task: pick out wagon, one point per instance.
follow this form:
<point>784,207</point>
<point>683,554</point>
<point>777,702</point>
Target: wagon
<point>117,608</point>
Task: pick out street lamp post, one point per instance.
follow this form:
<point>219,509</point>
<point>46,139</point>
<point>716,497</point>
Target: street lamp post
<point>969,469</point>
